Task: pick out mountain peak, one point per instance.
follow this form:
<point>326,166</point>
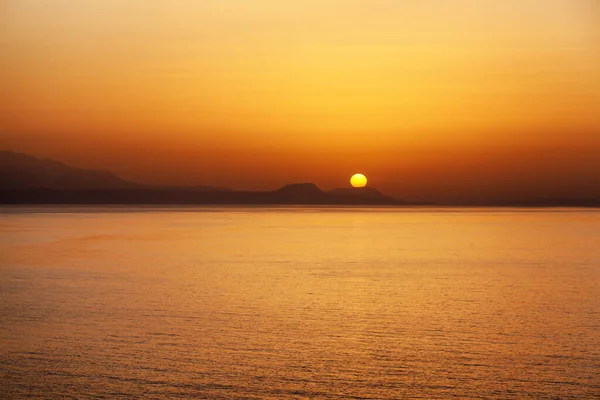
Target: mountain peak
<point>303,189</point>
<point>22,171</point>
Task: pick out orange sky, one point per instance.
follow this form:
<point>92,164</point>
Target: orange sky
<point>431,99</point>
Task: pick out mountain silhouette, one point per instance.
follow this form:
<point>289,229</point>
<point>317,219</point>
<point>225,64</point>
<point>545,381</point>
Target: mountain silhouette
<point>29,180</point>
<point>298,192</point>
<point>300,189</point>
<point>362,195</point>
<point>309,193</point>
<point>20,171</point>
<point>362,192</point>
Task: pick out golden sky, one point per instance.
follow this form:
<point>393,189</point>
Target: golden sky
<point>428,98</point>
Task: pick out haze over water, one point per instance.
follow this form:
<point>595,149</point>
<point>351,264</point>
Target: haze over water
<point>269,303</point>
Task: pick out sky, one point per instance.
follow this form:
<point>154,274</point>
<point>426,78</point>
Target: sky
<point>431,99</point>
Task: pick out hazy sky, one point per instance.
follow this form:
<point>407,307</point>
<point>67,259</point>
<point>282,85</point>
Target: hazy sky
<point>428,98</point>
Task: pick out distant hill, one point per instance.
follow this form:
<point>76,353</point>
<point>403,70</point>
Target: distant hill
<point>299,192</point>
<point>366,192</point>
<point>309,193</point>
<point>21,171</point>
<point>367,195</point>
<point>29,180</point>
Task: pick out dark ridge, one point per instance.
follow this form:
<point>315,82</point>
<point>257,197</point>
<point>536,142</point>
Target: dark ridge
<point>21,171</point>
<point>188,197</point>
<point>367,192</point>
<point>364,194</point>
<point>298,192</point>
<point>196,188</point>
<point>28,180</point>
<point>300,188</point>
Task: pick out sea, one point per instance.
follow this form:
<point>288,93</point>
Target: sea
<point>299,303</point>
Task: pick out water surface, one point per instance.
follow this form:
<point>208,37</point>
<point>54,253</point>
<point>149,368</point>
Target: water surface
<point>238,303</point>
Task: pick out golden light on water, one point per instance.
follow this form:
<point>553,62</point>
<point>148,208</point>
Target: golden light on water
<point>358,180</point>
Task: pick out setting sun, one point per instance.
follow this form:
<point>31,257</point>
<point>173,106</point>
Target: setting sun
<point>358,180</point>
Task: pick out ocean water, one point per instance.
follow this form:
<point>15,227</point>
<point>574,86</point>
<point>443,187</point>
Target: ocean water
<point>283,303</point>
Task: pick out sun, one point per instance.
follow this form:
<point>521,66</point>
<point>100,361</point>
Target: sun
<point>358,180</point>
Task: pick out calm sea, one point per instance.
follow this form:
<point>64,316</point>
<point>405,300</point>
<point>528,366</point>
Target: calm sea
<point>281,303</point>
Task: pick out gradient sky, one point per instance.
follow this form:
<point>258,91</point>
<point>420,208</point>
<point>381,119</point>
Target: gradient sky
<point>431,99</point>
